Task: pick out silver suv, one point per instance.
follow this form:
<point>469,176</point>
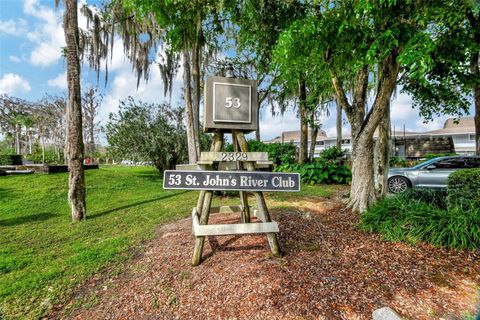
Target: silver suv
<point>429,174</point>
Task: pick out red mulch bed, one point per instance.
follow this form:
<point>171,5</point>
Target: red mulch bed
<point>331,270</point>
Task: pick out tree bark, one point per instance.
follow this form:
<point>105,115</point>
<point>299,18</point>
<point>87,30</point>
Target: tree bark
<point>91,142</point>
<point>42,141</point>
<point>313,142</point>
<point>17,138</point>
<point>90,110</point>
<point>339,125</point>
<point>302,95</point>
<point>382,155</point>
<point>74,147</point>
<point>474,69</point>
<point>362,193</point>
<point>192,141</point>
<point>30,141</point>
<point>196,58</point>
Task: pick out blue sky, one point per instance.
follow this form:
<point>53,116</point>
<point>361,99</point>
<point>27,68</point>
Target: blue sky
<point>31,37</point>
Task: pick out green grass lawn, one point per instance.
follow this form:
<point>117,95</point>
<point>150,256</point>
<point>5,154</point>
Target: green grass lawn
<point>43,255</point>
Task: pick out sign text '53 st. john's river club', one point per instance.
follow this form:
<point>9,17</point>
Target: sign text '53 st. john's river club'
<point>231,180</point>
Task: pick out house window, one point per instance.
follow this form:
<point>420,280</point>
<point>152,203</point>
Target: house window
<point>346,141</point>
<point>471,137</point>
<point>320,143</point>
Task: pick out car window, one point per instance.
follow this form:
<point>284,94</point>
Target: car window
<point>457,163</point>
<point>424,164</point>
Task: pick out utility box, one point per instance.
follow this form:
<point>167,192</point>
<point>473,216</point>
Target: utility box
<point>230,103</point>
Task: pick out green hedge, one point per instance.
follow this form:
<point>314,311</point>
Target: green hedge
<point>319,172</point>
<point>429,156</point>
<point>463,188</point>
<point>420,215</point>
<point>10,159</point>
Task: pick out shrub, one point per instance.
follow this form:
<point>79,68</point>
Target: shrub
<point>317,172</point>
<point>10,159</point>
<point>429,156</point>
<point>281,153</point>
<point>463,188</point>
<point>436,198</point>
<point>409,218</point>
<point>397,162</point>
<point>332,154</point>
<point>50,156</point>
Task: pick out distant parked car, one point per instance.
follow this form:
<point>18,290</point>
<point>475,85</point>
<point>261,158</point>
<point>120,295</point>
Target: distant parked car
<point>429,174</point>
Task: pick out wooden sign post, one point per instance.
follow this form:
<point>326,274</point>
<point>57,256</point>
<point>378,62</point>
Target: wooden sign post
<point>231,107</point>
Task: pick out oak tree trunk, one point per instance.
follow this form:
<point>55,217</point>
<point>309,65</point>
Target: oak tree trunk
<point>362,193</point>
<point>17,138</point>
<point>339,125</point>
<point>196,58</point>
<point>192,141</point>
<point>382,155</point>
<point>477,119</point>
<point>313,137</point>
<point>302,95</point>
<point>474,68</point>
<point>313,141</point>
<point>74,146</point>
<point>42,141</point>
<point>91,142</point>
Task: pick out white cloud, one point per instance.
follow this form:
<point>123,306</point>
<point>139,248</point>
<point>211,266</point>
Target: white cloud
<point>401,108</point>
<point>13,27</point>
<point>44,55</point>
<point>12,83</point>
<point>47,35</point>
<point>119,59</point>
<point>14,58</point>
<point>273,126</point>
<point>431,125</point>
<point>60,81</point>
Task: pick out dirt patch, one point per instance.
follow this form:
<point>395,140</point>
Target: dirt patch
<point>330,270</point>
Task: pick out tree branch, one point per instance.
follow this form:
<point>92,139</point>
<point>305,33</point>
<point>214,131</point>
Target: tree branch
<point>340,92</point>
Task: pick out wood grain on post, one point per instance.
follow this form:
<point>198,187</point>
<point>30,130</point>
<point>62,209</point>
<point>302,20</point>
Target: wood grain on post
<point>243,194</point>
<point>262,207</point>
<point>201,197</point>
<point>205,201</point>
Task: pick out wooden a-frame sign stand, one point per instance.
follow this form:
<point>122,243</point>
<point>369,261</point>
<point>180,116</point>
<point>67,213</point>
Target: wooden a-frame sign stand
<point>231,106</point>
<point>203,209</point>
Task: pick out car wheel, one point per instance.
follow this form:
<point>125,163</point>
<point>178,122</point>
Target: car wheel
<point>398,184</point>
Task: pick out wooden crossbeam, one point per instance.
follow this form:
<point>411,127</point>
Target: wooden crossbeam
<point>226,209</point>
<point>234,156</point>
<point>229,229</point>
<point>224,166</point>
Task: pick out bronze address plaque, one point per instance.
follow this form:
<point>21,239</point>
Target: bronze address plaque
<point>230,103</point>
<point>231,180</point>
